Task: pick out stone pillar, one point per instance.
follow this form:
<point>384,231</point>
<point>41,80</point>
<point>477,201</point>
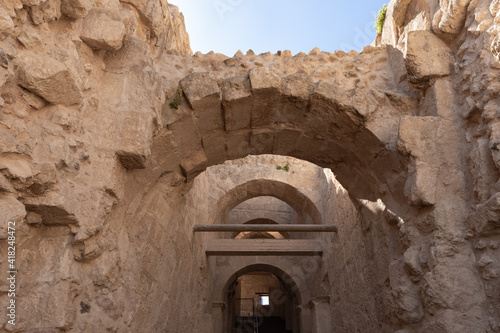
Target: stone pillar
<point>305,318</point>
<point>320,313</point>
<point>218,322</point>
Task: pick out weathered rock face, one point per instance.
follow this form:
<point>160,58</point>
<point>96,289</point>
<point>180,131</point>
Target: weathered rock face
<point>460,99</point>
<point>102,32</point>
<point>107,122</point>
<point>49,79</point>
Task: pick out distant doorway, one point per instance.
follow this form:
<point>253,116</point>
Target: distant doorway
<point>260,302</point>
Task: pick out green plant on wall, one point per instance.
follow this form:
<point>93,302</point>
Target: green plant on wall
<point>177,100</point>
<point>379,19</point>
<point>286,167</point>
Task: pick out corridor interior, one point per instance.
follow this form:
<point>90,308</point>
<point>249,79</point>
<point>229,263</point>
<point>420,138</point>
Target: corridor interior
<point>260,302</point>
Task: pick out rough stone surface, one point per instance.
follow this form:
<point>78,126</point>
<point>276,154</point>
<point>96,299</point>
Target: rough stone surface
<point>30,38</point>
<point>427,56</point>
<point>12,211</point>
<point>452,14</point>
<point>77,8</point>
<point>6,24</point>
<point>49,79</point>
<point>486,220</point>
<point>102,32</point>
<point>200,86</point>
<point>115,141</point>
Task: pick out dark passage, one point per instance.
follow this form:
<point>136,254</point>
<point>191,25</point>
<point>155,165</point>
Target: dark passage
<point>260,302</point>
<point>273,324</point>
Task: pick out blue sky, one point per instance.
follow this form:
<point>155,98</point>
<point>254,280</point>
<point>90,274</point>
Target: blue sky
<point>226,26</point>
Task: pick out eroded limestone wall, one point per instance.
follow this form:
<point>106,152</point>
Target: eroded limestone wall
<point>453,240</point>
<point>94,161</point>
<point>60,131</point>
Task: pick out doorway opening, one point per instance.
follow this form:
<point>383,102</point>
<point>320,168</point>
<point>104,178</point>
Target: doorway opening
<point>261,302</point>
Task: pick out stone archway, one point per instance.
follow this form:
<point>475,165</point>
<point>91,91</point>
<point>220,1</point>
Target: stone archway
<point>295,116</point>
<point>267,208</point>
<point>297,290</point>
<point>266,187</point>
<point>304,188</point>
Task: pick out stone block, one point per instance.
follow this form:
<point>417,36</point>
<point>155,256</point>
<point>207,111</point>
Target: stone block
<point>181,42</point>
<point>212,118</point>
<point>266,91</point>
<point>236,101</point>
<point>8,144</point>
<point>420,187</point>
<point>207,110</point>
<point>427,57</point>
<point>417,136</point>
<point>132,159</point>
<point>129,91</point>
<point>134,54</point>
<point>214,145</point>
<point>450,18</point>
<point>51,214</point>
<point>485,221</point>
<point>34,219</point>
<point>291,112</point>
<point>35,101</point>
<point>163,156</point>
<point>100,31</point>
<point>76,9</point>
<point>45,178</point>
<point>439,100</point>
<point>262,141</point>
<point>297,85</point>
<point>45,11</point>
<point>30,3</point>
<point>413,267</point>
<point>17,166</point>
<point>154,15</point>
<point>286,141</point>
<point>263,79</point>
<point>30,38</point>
<point>5,185</point>
<point>49,79</point>
<point>193,164</point>
<point>135,130</point>
<point>6,24</point>
<point>237,144</point>
<point>202,90</point>
<point>353,103</point>
<point>12,211</point>
<point>185,135</point>
<point>397,64</point>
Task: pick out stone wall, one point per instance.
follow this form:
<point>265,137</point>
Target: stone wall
<point>96,166</point>
<point>358,262</point>
<point>458,100</point>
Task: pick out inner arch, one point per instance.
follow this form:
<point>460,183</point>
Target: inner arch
<point>282,275</point>
<point>266,187</point>
<point>269,234</point>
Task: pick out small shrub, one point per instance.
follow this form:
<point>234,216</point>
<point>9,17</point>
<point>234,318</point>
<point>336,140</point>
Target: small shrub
<point>286,167</point>
<point>379,20</point>
<point>177,100</point>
